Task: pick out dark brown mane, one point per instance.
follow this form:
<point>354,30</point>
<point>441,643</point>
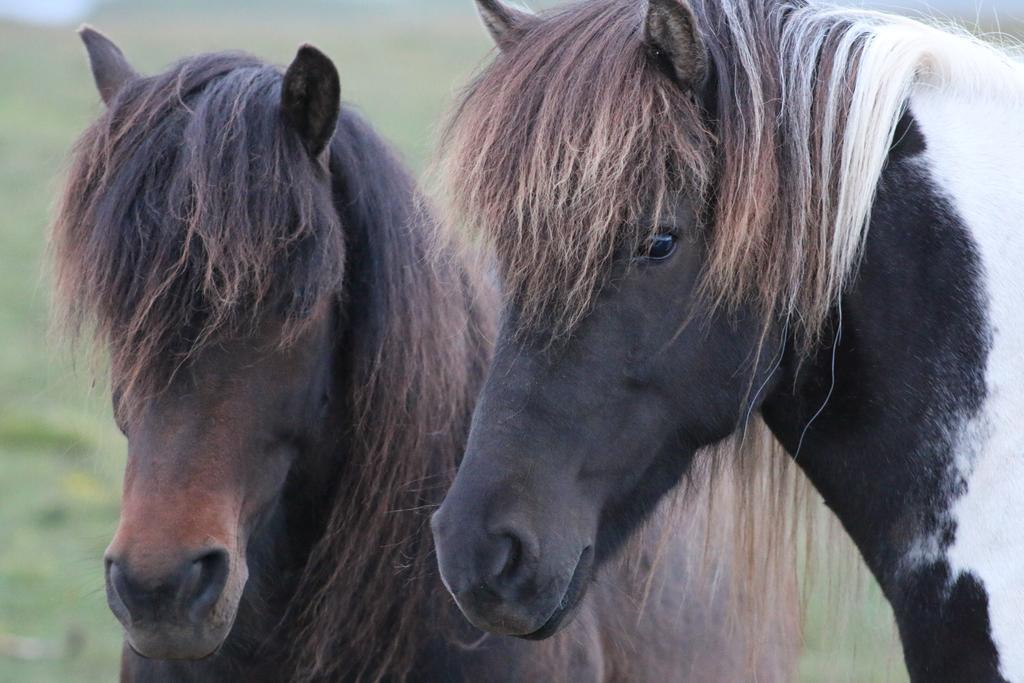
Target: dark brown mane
<point>564,140</point>
<point>167,238</point>
<point>420,335</point>
<point>191,213</point>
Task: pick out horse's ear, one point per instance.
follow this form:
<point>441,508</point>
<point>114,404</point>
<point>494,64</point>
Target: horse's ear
<point>670,29</point>
<point>311,98</point>
<point>110,69</point>
<point>505,24</point>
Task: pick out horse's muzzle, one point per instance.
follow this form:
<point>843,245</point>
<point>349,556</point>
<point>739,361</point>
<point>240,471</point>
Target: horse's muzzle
<point>182,610</point>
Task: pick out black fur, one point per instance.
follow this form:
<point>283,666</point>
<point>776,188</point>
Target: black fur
<point>908,372</point>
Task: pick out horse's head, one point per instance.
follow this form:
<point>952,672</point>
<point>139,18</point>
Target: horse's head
<point>613,365</point>
<point>208,460</point>
<point>198,236</point>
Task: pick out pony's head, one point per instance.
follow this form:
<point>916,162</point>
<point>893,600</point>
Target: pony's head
<point>198,239</point>
<point>658,205</point>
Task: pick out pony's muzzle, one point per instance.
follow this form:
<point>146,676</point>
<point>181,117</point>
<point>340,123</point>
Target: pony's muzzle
<point>498,579</point>
<point>174,608</point>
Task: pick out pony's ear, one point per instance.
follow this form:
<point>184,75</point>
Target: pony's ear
<point>505,24</point>
<point>670,29</point>
<point>311,98</point>
<point>110,69</point>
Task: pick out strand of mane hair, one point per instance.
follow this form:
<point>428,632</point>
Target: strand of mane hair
<point>420,338</point>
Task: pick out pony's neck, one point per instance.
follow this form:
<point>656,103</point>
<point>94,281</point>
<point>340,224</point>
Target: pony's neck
<point>917,447</point>
<point>412,350</point>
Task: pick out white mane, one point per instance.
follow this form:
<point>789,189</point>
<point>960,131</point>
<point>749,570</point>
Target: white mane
<point>830,85</point>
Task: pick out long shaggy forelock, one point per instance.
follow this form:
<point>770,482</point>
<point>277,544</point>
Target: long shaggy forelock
<point>191,212</point>
<point>557,151</point>
<point>556,147</point>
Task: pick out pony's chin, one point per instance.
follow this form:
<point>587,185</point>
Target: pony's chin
<point>570,603</point>
<point>532,621</point>
<point>174,644</point>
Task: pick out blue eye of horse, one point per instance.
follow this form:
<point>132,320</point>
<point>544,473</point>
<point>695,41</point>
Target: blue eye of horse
<point>659,247</point>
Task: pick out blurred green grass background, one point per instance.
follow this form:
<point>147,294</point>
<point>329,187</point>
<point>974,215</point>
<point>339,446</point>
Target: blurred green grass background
<point>60,455</point>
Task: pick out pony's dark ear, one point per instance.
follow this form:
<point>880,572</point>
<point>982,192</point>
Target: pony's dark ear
<point>505,24</point>
<point>109,67</point>
<point>311,98</point>
<point>670,29</point>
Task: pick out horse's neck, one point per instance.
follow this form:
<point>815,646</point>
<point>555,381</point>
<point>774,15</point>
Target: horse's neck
<point>975,156</point>
<point>920,447</point>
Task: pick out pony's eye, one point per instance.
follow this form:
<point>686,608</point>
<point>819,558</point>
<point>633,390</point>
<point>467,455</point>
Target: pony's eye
<point>659,247</point>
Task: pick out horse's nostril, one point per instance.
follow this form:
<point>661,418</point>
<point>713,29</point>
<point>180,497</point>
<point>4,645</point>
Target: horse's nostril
<point>512,549</point>
<point>190,591</point>
<point>121,594</point>
<point>207,576</point>
<point>514,554</point>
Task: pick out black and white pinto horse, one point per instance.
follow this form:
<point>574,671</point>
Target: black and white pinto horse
<point>749,208</point>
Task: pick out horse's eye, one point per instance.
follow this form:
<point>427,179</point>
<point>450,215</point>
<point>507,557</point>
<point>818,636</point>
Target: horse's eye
<point>659,247</point>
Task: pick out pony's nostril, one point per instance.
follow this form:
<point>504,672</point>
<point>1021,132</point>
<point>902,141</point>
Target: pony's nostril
<point>190,591</point>
<point>120,592</point>
<point>512,551</point>
<point>206,577</point>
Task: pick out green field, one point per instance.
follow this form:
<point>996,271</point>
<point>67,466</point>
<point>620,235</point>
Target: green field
<point>60,455</point>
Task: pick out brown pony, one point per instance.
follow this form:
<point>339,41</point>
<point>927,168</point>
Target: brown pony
<point>295,382</point>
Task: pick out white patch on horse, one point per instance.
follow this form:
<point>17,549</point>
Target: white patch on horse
<point>974,151</point>
<point>965,435</point>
